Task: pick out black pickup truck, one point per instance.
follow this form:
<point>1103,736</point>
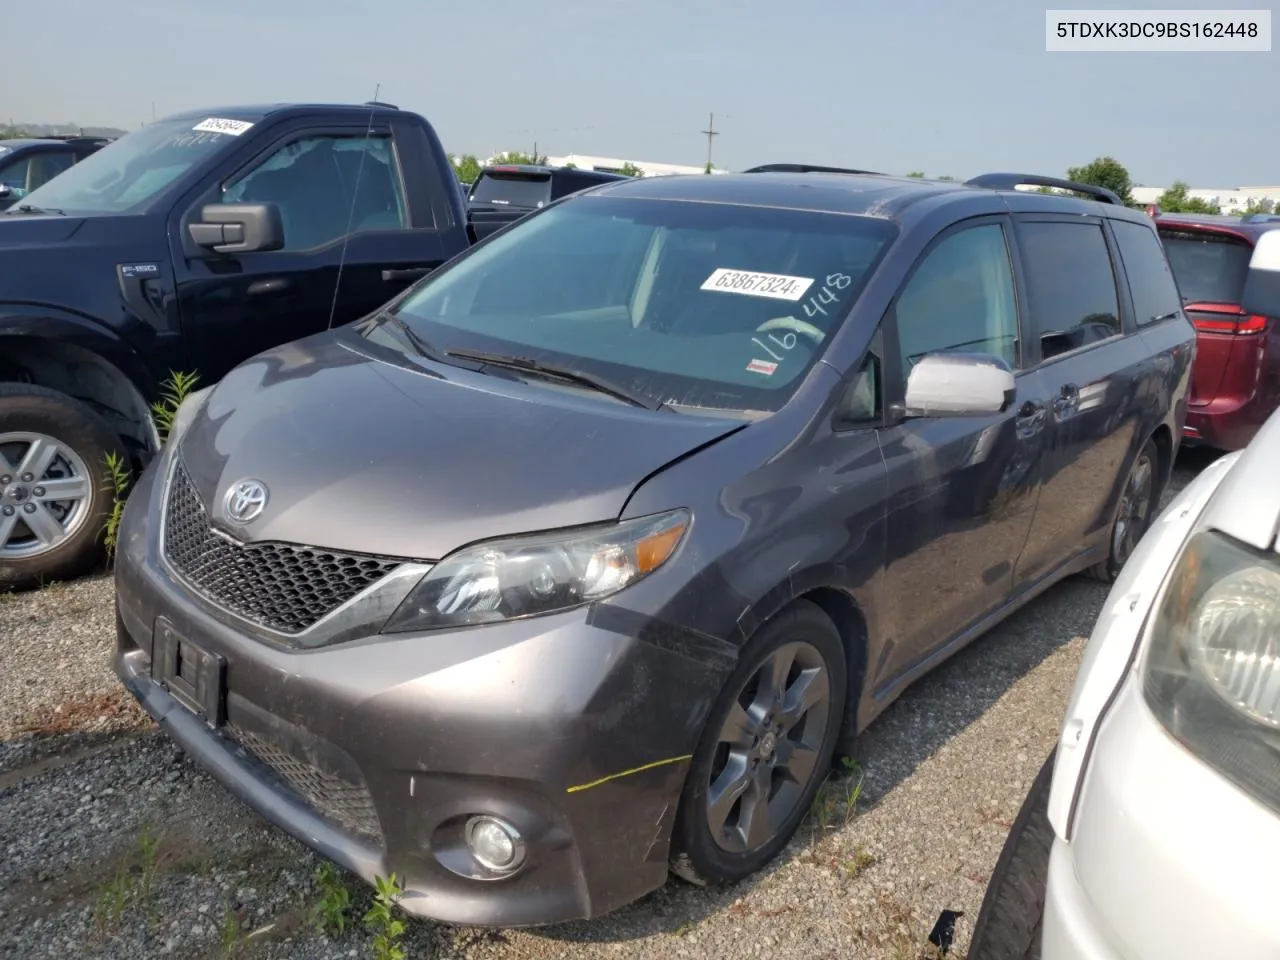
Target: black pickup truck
<point>190,245</point>
<point>504,193</point>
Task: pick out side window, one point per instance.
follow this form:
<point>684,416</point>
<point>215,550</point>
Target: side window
<point>960,299</point>
<point>322,184</point>
<point>14,176</point>
<point>1155,294</point>
<point>46,166</point>
<point>862,403</point>
<point>1071,287</point>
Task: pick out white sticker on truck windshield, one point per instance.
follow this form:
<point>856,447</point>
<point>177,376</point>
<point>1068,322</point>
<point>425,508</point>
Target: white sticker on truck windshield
<point>776,286</point>
<point>216,125</point>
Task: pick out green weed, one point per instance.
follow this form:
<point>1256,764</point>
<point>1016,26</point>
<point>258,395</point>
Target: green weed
<point>118,469</point>
<point>173,391</point>
<point>329,915</point>
<point>387,928</point>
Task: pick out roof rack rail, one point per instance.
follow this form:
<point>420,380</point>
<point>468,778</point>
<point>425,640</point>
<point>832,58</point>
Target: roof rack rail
<point>1011,181</point>
<point>1260,218</point>
<point>806,168</point>
<point>381,103</point>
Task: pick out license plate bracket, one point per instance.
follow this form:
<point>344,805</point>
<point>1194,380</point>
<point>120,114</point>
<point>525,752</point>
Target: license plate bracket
<point>195,677</point>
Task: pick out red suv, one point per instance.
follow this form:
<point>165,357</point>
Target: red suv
<point>1236,379</point>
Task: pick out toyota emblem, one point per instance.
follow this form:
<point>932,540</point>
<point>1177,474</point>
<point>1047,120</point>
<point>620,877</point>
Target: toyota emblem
<point>246,500</point>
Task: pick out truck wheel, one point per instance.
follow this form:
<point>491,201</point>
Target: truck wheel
<point>1010,920</point>
<point>56,491</point>
<point>765,750</point>
<point>1139,498</point>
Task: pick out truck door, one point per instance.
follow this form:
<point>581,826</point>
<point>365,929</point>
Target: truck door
<point>360,225</point>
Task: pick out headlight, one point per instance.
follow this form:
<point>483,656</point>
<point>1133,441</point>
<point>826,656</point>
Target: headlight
<point>1212,673</point>
<point>527,576</point>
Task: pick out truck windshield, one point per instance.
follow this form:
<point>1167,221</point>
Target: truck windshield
<point>513,189</point>
<point>694,304</point>
<point>123,176</point>
<point>1209,267</point>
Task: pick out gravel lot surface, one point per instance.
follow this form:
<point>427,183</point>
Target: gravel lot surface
<point>112,845</point>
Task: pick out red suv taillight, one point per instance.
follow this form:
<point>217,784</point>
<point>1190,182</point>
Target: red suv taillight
<point>1225,319</point>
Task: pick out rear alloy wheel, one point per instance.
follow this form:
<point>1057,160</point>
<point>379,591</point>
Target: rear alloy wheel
<point>766,749</point>
<point>55,487</point>
<point>1136,509</point>
<point>1010,922</point>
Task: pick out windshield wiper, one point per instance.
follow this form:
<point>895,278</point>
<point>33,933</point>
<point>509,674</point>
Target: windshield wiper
<point>28,208</point>
<point>420,346</point>
<point>554,372</point>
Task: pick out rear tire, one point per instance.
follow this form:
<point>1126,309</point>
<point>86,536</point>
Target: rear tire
<point>71,445</point>
<point>1139,500</point>
<point>1012,915</point>
<point>766,757</point>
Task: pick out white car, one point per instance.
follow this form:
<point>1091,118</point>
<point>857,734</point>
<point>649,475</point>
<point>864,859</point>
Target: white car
<point>1153,832</point>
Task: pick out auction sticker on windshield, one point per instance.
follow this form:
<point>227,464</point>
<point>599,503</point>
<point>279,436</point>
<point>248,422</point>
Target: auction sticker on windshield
<point>776,286</point>
<point>216,125</point>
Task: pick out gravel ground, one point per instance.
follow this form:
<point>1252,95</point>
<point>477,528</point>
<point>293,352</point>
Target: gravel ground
<point>112,845</point>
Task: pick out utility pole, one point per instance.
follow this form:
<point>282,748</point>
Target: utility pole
<point>710,132</point>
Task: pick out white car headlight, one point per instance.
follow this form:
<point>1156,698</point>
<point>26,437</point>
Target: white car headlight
<point>1212,672</point>
<point>526,576</point>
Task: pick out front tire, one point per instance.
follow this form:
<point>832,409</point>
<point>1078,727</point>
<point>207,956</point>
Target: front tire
<point>767,747</point>
<point>1012,915</point>
<point>56,490</point>
<point>1138,502</point>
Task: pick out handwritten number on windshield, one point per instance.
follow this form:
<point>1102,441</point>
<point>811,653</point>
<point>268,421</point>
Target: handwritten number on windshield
<point>827,295</point>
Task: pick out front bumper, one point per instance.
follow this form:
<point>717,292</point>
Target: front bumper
<point>1168,860</point>
<point>376,750</point>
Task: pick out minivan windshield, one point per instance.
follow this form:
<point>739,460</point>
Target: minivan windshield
<point>123,176</point>
<point>692,304</point>
<point>1209,267</point>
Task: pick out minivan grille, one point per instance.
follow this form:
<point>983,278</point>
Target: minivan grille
<point>342,802</point>
<point>280,586</point>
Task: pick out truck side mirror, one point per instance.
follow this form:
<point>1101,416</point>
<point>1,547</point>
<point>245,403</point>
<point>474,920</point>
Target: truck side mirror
<point>1262,283</point>
<point>238,227</point>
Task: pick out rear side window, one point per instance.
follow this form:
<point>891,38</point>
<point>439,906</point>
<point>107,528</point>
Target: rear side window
<point>1155,295</point>
<point>1209,267</point>
<point>514,190</point>
<point>1071,286</point>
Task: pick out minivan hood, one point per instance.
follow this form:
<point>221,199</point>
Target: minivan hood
<point>370,455</point>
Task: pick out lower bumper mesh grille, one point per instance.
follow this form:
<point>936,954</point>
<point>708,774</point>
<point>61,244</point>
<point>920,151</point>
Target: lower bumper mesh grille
<point>346,804</point>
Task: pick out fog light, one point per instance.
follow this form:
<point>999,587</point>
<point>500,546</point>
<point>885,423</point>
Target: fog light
<point>495,844</point>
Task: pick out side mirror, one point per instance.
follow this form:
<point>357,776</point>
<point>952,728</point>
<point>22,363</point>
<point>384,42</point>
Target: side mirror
<point>959,385</point>
<point>238,227</point>
<point>6,191</point>
<point>1262,283</point>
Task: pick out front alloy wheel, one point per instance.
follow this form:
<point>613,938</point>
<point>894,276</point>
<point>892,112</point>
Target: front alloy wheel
<point>55,485</point>
<point>768,747</point>
<point>45,491</point>
<point>765,751</point>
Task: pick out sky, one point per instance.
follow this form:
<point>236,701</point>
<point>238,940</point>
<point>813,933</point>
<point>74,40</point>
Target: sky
<point>930,85</point>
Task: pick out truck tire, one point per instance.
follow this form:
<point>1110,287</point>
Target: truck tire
<point>1012,915</point>
<point>66,445</point>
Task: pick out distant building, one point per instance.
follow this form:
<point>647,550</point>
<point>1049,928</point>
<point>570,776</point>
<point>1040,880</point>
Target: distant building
<point>1232,200</point>
<point>615,165</point>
